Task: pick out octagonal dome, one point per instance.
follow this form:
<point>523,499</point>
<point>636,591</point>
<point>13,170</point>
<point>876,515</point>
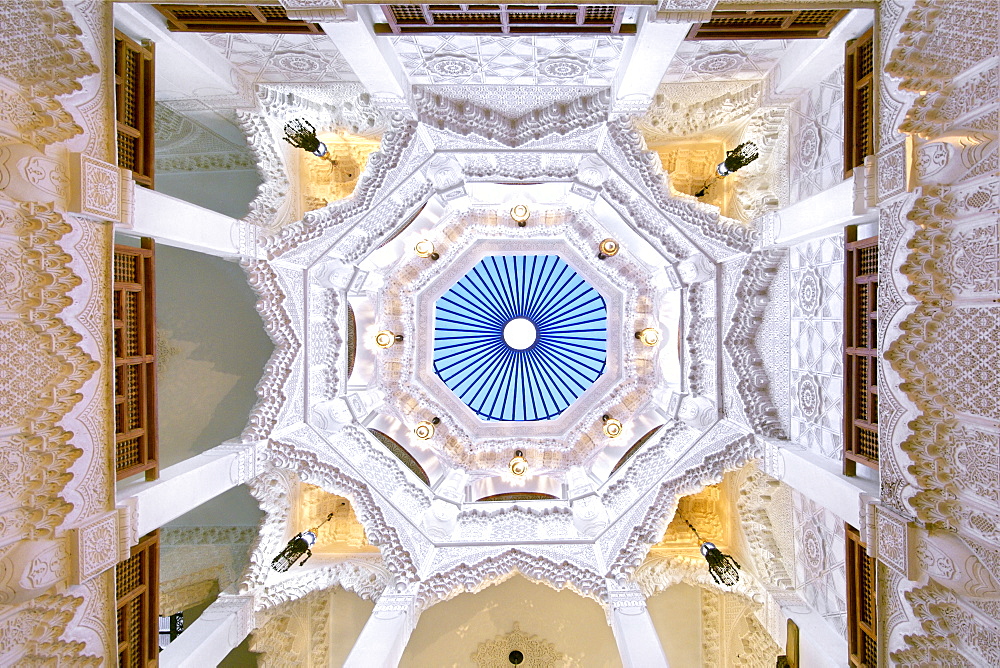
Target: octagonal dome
<point>520,337</point>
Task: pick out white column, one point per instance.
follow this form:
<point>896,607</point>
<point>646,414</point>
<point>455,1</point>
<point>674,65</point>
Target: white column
<point>821,480</point>
<point>174,222</point>
<point>220,628</point>
<point>185,486</point>
<point>384,637</point>
<point>638,643</point>
<point>646,59</point>
<point>804,64</point>
<point>821,215</point>
<point>372,60</point>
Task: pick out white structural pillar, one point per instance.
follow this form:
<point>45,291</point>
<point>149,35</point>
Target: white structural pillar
<point>821,215</point>
<point>822,481</point>
<point>174,222</point>
<point>220,628</point>
<point>386,633</point>
<point>372,60</point>
<point>185,486</point>
<point>651,51</point>
<point>638,643</point>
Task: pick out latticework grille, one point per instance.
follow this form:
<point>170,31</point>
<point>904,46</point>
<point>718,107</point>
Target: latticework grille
<point>859,101</point>
<point>862,618</point>
<point>134,107</point>
<point>137,604</point>
<point>768,24</point>
<point>233,18</point>
<point>135,361</point>
<point>860,353</point>
<point>500,19</point>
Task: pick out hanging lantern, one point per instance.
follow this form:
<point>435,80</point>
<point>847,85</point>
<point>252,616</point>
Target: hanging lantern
<point>724,569</point>
<point>298,546</point>
<point>612,427</point>
<point>607,248</point>
<point>425,428</point>
<point>648,336</point>
<point>736,159</point>
<point>386,339</point>
<point>518,464</point>
<point>520,214</point>
<point>301,134</point>
<point>425,248</point>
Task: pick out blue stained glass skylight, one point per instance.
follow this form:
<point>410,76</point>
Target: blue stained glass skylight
<point>520,337</point>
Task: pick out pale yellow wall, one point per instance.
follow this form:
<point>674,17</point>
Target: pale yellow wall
<point>676,615</point>
<point>449,633</point>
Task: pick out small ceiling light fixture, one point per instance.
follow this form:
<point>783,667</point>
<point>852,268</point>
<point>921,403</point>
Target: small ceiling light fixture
<point>518,464</point>
<point>425,248</point>
<point>425,428</point>
<point>724,569</point>
<point>516,657</point>
<point>607,248</point>
<point>386,339</point>
<point>612,427</point>
<point>299,545</point>
<point>520,214</point>
<point>301,134</point>
<point>649,336</point>
<point>737,159</point>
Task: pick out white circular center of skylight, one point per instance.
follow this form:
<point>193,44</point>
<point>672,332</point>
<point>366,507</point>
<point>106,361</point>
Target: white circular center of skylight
<point>520,333</point>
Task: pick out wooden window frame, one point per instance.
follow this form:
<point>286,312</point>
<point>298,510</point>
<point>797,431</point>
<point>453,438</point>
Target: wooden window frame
<point>862,602</point>
<point>255,22</point>
<point>723,24</point>
<point>139,604</point>
<point>138,368</point>
<point>503,19</point>
<point>859,101</point>
<point>135,84</point>
<point>860,352</point>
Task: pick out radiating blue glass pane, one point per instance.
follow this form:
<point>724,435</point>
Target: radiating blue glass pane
<point>511,379</point>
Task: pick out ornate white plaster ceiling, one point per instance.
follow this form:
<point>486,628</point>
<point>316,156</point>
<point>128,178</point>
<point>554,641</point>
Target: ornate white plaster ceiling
<point>184,144</point>
<point>604,518</point>
<point>515,101</point>
<point>724,60</point>
<point>529,60</point>
<point>279,58</point>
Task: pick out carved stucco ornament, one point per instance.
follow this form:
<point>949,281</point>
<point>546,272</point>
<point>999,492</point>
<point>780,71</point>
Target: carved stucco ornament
<point>537,652</point>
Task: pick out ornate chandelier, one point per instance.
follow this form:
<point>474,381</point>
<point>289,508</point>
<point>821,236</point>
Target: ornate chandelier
<point>724,569</point>
<point>299,545</point>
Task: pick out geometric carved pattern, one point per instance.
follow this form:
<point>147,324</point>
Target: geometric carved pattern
<point>537,653</point>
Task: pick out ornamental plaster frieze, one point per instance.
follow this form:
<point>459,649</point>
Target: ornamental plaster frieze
<point>754,383</point>
<point>467,443</point>
<point>465,118</point>
<point>363,575</point>
<point>629,538</point>
<point>474,570</point>
<point>701,222</point>
<point>386,169</point>
<point>282,371</point>
<point>265,208</point>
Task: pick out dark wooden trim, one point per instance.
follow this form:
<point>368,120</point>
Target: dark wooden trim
<point>860,352</point>
<point>862,602</point>
<point>568,19</point>
<point>812,23</point>
<point>137,604</point>
<point>226,18</point>
<point>135,361</point>
<point>135,80</point>
<point>859,101</point>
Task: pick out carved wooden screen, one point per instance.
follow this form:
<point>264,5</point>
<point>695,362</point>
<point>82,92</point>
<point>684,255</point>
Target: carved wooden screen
<point>859,101</point>
<point>862,618</point>
<point>860,352</point>
<point>137,581</point>
<point>135,361</point>
<point>134,107</point>
<point>768,24</point>
<point>233,18</point>
<point>504,19</point>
